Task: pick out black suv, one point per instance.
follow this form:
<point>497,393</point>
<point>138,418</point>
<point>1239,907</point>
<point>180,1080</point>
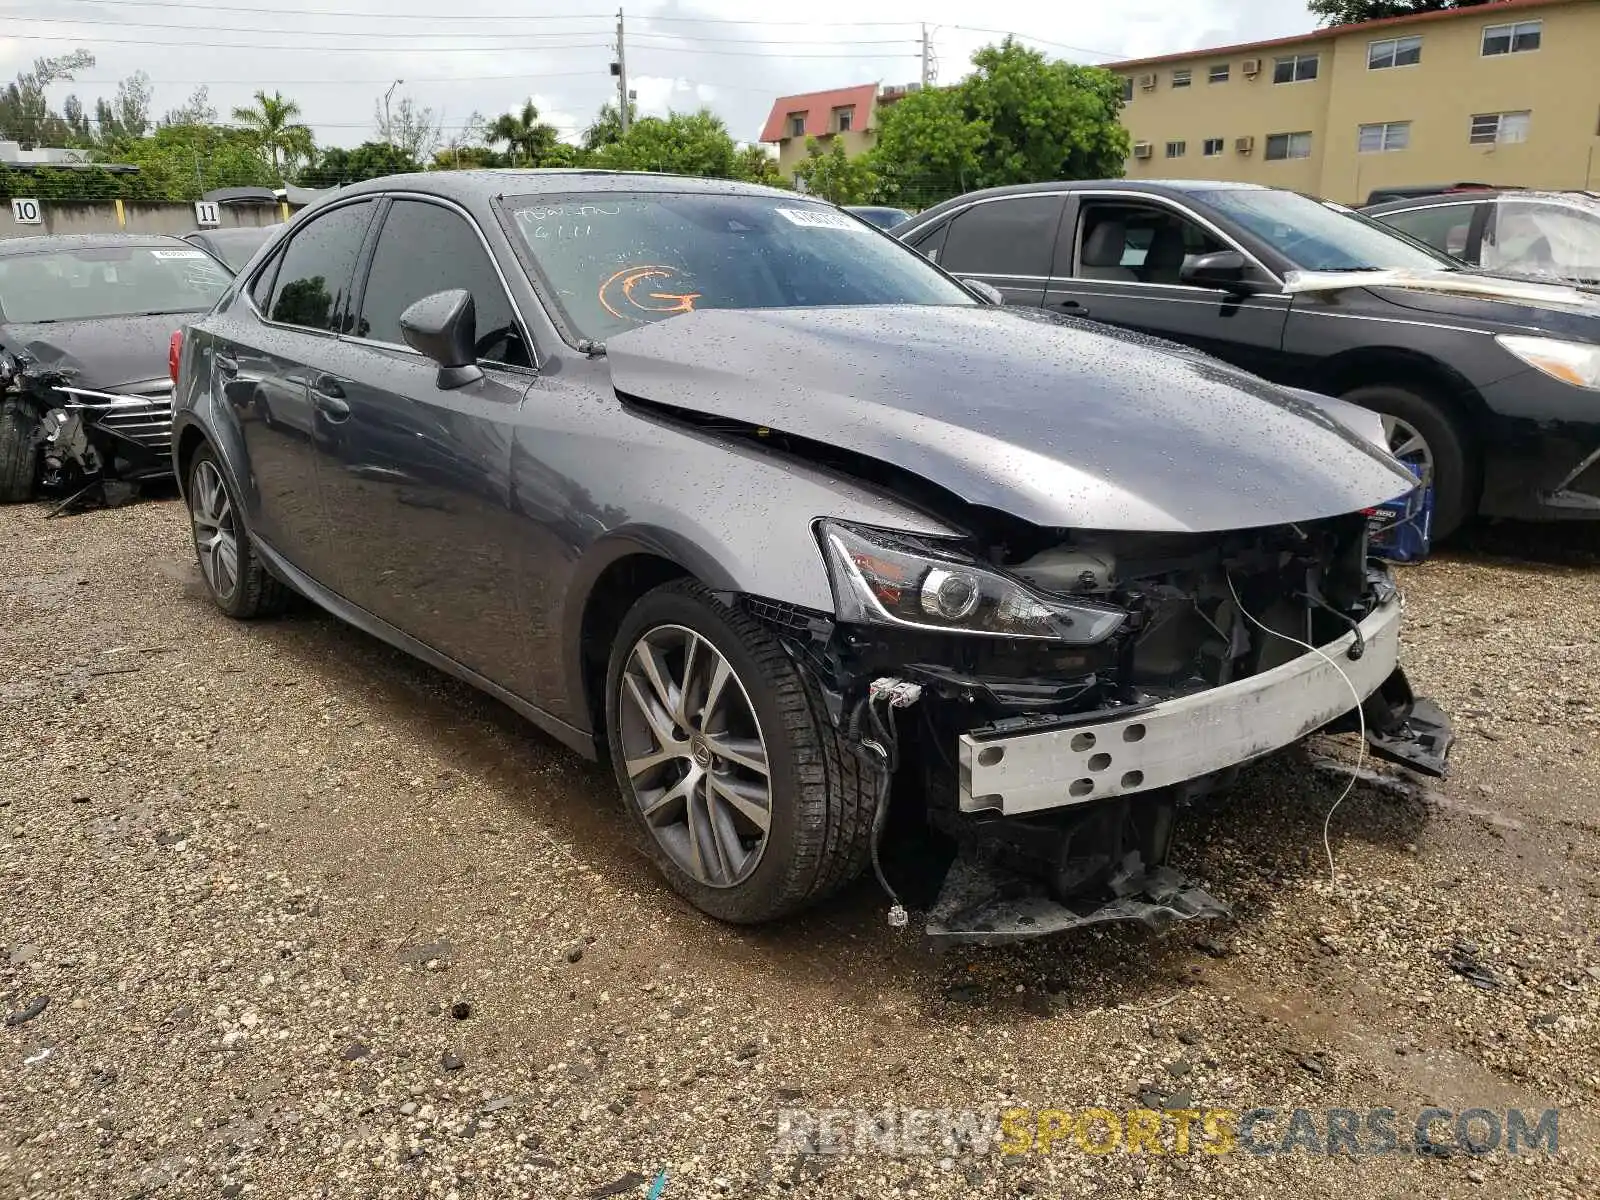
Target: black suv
<point>1490,387</point>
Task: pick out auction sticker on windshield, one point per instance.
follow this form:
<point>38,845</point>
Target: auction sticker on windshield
<point>166,254</point>
<point>818,218</point>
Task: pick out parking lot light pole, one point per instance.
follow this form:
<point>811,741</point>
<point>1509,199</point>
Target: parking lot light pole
<point>387,129</point>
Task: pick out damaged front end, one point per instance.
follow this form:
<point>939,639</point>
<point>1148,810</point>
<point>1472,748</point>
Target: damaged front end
<point>88,442</point>
<point>1057,699</point>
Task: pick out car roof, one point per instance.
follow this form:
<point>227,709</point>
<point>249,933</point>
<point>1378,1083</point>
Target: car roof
<point>482,185</point>
<point>45,243</point>
<point>1471,196</point>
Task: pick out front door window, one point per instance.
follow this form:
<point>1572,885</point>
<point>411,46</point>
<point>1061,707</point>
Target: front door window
<point>1138,243</point>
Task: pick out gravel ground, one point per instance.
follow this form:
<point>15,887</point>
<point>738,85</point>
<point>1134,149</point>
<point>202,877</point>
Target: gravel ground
<point>314,920</point>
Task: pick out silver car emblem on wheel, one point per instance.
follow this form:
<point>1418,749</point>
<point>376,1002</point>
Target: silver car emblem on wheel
<point>695,756</point>
<point>216,538</point>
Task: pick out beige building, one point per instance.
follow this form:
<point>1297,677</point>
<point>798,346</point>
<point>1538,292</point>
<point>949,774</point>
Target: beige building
<point>847,114</point>
<point>1504,93</point>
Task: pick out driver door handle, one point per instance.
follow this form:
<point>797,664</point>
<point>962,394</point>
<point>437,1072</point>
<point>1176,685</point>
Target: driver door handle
<point>1075,307</point>
<point>328,396</point>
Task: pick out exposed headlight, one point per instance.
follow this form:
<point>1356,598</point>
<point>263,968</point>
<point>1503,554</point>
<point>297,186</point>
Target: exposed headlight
<point>1577,363</point>
<point>882,578</point>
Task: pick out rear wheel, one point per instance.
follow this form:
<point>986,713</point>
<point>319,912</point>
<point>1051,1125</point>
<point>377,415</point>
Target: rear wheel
<point>1423,434</point>
<point>238,582</point>
<point>19,452</point>
<point>748,800</point>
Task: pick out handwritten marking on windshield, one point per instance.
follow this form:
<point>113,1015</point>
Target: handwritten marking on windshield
<point>623,288</point>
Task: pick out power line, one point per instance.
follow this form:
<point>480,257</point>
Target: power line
<point>1028,37</point>
<point>369,15</point>
<point>499,47</point>
<point>255,82</point>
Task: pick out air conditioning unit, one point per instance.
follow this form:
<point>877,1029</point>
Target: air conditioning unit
<point>1148,82</point>
<point>1142,149</point>
<point>1251,66</point>
<point>1244,145</point>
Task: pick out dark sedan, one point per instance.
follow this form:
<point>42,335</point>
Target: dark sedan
<point>1550,236</point>
<point>86,323</point>
<point>233,248</point>
<point>881,215</point>
<point>1490,388</point>
<point>719,483</point>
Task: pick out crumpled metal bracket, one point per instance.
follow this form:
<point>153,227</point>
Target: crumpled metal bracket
<point>1422,742</point>
<point>986,904</point>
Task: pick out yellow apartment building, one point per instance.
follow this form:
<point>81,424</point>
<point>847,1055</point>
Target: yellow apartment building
<point>1504,93</point>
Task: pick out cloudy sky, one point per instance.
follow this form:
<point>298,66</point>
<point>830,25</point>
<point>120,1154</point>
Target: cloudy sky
<point>338,57</point>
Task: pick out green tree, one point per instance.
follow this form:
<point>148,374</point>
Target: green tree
<point>183,162</point>
<point>283,140</point>
<point>1018,118</point>
<point>754,165</point>
<point>1349,12</point>
<point>25,114</point>
<point>683,143</point>
<point>467,158</point>
<point>196,110</point>
<point>607,126</point>
<point>835,175</point>
<point>370,160</point>
<point>927,148</point>
<point>527,138</point>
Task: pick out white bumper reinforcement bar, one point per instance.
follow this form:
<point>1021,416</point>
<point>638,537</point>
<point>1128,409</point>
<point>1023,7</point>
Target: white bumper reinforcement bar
<point>1178,739</point>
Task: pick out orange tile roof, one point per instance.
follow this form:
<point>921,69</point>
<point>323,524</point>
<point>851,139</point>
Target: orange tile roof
<point>818,107</point>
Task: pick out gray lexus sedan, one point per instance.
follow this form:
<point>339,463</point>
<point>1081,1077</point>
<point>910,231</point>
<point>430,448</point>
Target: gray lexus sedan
<point>731,489</point>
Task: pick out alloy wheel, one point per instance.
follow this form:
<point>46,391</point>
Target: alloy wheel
<point>695,756</point>
<point>1408,445</point>
<point>216,535</point>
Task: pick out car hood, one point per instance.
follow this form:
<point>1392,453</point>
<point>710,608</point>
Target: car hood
<point>1543,304</point>
<point>103,353</point>
<point>1058,425</point>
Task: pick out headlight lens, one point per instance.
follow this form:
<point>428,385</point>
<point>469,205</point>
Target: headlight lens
<point>882,578</point>
<point>1577,363</point>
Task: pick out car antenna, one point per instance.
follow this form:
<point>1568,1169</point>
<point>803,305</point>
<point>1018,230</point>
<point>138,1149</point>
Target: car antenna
<point>591,347</point>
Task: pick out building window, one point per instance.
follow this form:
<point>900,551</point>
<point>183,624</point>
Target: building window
<point>1494,129</point>
<point>1297,68</point>
<point>1218,74</point>
<point>797,124</point>
<point>1512,39</point>
<point>1127,89</point>
<point>843,118</point>
<point>1396,52</point>
<point>1390,135</point>
<point>1213,146</point>
<point>1177,149</point>
<point>1288,145</point>
<point>1180,78</point>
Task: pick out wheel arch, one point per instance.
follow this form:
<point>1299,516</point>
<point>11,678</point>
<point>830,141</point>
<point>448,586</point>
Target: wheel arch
<point>1367,366</point>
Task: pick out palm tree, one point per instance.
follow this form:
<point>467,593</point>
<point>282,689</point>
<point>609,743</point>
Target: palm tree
<point>271,121</point>
<point>523,133</point>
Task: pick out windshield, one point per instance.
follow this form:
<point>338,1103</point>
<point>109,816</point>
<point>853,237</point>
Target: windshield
<point>1545,238</point>
<point>108,281</point>
<point>1315,237</point>
<point>618,260</point>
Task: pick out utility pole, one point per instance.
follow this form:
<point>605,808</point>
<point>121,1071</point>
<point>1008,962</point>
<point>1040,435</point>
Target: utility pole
<point>927,70</point>
<point>621,72</point>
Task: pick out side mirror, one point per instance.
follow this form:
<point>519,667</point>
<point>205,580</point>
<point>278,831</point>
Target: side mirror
<point>444,327</point>
<point>986,292</point>
<point>1224,269</point>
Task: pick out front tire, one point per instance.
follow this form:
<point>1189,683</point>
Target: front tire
<point>1422,432</point>
<point>234,575</point>
<point>19,452</point>
<point>747,798</point>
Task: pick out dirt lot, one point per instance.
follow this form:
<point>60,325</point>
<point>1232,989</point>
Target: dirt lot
<point>313,920</point>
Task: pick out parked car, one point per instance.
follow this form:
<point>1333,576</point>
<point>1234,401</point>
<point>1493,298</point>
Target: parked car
<point>1411,192</point>
<point>1553,236</point>
<point>1487,387</point>
<point>713,481</point>
<point>233,248</point>
<point>85,321</point>
<point>880,215</point>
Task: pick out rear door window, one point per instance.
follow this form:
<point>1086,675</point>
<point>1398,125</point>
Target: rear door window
<point>1014,236</point>
<point>426,248</point>
<point>312,289</point>
<point>1444,227</point>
